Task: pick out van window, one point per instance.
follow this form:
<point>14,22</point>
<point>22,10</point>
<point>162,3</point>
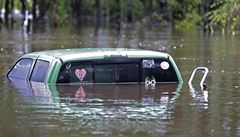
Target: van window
<point>115,71</point>
<point>104,73</point>
<point>39,71</point>
<point>76,72</point>
<point>128,72</point>
<point>21,69</point>
<point>158,69</point>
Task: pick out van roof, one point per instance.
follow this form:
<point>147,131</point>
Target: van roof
<point>95,53</point>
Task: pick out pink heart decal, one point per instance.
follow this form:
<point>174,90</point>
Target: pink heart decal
<point>80,73</point>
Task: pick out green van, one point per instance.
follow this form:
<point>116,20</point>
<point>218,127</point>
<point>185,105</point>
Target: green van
<point>96,65</point>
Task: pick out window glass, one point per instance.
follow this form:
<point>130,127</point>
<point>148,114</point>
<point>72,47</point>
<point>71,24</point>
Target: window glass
<point>76,72</point>
<point>105,73</point>
<point>158,69</point>
<point>114,73</point>
<point>39,71</point>
<point>21,69</point>
<point>128,72</point>
<point>101,71</point>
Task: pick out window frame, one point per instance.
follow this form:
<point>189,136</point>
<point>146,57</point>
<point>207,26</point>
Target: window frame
<point>33,66</point>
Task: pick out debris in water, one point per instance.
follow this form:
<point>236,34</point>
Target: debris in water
<point>236,86</point>
<point>205,87</point>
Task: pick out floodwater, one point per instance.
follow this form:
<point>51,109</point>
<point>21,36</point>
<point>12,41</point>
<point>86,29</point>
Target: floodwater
<point>37,110</point>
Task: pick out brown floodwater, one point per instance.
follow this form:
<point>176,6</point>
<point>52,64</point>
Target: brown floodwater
<point>38,110</point>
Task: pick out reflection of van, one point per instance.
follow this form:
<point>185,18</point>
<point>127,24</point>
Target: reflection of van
<point>96,65</point>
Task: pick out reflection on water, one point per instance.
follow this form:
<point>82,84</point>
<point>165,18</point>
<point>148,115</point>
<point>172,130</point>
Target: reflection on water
<point>121,101</point>
<point>80,94</point>
<point>107,108</point>
<point>31,109</point>
<point>200,98</point>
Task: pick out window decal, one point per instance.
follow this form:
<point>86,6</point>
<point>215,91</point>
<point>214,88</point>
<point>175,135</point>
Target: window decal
<point>164,65</point>
<point>150,82</point>
<point>80,74</point>
<point>148,63</point>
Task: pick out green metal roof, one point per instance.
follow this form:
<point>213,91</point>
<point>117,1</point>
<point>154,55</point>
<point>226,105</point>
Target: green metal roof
<point>95,53</point>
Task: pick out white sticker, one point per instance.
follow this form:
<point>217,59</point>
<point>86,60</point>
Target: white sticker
<point>164,65</point>
<point>148,63</point>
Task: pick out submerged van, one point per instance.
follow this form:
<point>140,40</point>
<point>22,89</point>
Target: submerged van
<point>96,65</point>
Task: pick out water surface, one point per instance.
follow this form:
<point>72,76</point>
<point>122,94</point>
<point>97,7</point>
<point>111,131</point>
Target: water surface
<point>124,110</point>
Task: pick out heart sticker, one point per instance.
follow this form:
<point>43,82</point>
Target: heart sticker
<point>80,73</point>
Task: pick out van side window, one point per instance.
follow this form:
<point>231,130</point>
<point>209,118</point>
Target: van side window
<point>104,73</point>
<point>115,71</point>
<point>21,69</point>
<point>128,72</point>
<point>39,71</point>
<point>76,72</point>
<point>159,69</point>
